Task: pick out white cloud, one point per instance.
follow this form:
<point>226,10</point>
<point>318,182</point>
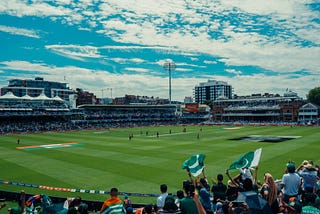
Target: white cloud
<point>210,62</point>
<point>242,48</point>
<point>284,8</point>
<point>139,70</point>
<point>21,8</point>
<point>19,31</point>
<point>233,71</point>
<point>75,51</point>
<point>196,28</point>
<point>310,34</point>
<point>184,69</point>
<point>127,60</point>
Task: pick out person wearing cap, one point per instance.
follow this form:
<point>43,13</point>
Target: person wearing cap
<point>309,175</point>
<point>114,204</point>
<point>291,183</point>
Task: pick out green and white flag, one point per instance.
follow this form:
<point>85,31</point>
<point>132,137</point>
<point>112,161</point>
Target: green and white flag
<point>247,160</point>
<point>194,164</point>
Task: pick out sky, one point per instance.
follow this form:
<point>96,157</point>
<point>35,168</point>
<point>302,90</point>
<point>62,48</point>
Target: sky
<point>118,47</point>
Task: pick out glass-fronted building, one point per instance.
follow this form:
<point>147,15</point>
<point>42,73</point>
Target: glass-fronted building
<point>36,87</point>
<point>212,90</point>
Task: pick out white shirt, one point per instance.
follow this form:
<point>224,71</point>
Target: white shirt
<point>161,199</point>
<point>291,183</point>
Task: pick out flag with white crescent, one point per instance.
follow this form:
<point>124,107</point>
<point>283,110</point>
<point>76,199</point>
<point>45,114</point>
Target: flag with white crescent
<point>247,160</point>
<point>194,164</point>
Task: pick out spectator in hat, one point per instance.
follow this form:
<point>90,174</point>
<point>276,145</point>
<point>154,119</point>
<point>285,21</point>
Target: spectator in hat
<point>114,204</point>
<point>308,174</point>
<point>291,183</point>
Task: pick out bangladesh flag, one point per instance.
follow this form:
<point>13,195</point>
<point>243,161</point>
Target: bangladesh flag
<point>194,164</point>
<point>247,160</point>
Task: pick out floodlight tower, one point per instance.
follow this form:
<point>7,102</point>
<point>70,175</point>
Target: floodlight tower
<point>169,65</point>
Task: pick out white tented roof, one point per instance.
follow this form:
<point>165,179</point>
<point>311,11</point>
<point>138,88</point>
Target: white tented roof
<point>42,96</point>
<point>26,97</point>
<point>57,98</point>
<point>9,95</point>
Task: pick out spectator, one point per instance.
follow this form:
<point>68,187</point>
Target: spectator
<point>114,204</point>
<point>161,199</point>
<point>308,174</point>
<point>76,206</point>
<point>232,191</point>
<point>187,204</point>
<point>128,204</point>
<point>310,206</point>
<point>83,209</point>
<point>292,207</point>
<point>169,206</point>
<point>204,192</point>
<point>20,208</point>
<point>148,209</point>
<point>204,195</point>
<point>269,192</point>
<point>291,183</point>
<point>180,195</point>
<point>219,190</point>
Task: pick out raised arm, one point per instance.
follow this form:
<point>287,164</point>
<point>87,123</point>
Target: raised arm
<point>232,179</point>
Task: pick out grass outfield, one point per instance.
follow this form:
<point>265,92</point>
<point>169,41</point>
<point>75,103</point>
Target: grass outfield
<point>107,158</point>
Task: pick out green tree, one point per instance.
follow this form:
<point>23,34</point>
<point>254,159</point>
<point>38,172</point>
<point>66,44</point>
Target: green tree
<point>314,96</point>
<point>209,103</point>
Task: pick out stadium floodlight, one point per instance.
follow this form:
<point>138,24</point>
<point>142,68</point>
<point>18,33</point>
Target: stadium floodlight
<point>169,65</point>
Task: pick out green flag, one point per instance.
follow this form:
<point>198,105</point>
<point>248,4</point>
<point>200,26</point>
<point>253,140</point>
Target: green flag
<point>247,160</point>
<point>194,164</point>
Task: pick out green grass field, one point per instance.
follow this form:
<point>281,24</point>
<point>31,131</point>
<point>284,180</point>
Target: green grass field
<point>107,158</point>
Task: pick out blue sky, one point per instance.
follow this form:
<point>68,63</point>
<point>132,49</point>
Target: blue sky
<point>257,46</point>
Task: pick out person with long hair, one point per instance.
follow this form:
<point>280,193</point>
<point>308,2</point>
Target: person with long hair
<point>269,192</point>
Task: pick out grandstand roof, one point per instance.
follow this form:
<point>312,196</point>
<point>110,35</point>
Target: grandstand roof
<point>26,97</point>
<point>310,106</point>
<point>57,98</point>
<point>9,95</point>
<point>42,96</point>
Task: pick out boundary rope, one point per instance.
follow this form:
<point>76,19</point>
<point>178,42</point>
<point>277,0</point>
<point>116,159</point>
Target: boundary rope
<point>63,189</point>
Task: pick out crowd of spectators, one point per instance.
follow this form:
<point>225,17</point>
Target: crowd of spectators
<point>297,192</point>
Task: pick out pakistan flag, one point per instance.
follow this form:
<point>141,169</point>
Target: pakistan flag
<point>247,160</point>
